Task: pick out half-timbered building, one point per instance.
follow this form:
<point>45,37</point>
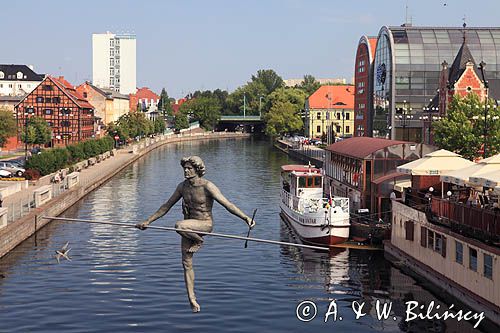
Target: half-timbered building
<point>69,115</point>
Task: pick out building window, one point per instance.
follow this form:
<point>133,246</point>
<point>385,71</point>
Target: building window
<point>347,116</point>
<point>459,252</point>
<point>85,95</point>
<point>39,99</point>
<point>19,86</point>
<point>111,61</point>
<point>473,259</point>
<point>409,226</point>
<point>48,111</point>
<point>1,85</point>
<point>47,87</point>
<point>347,129</point>
<point>10,85</point>
<point>2,75</point>
<point>318,115</point>
<point>48,99</point>
<point>430,239</point>
<point>56,100</point>
<point>338,115</point>
<point>423,236</point>
<point>361,84</point>
<point>488,266</point>
<point>65,123</point>
<point>19,75</point>
<point>65,111</point>
<point>318,129</point>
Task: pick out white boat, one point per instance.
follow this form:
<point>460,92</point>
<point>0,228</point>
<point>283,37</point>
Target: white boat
<point>316,220</point>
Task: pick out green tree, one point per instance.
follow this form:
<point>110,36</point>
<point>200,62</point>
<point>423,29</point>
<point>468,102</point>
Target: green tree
<point>164,104</point>
<point>309,84</point>
<point>269,79</point>
<point>7,125</point>
<point>181,121</point>
<point>461,131</point>
<point>206,110</point>
<point>42,131</point>
<point>282,118</point>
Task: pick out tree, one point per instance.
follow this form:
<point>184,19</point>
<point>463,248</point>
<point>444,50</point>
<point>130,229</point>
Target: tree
<point>461,131</point>
<point>309,84</point>
<point>7,125</point>
<point>206,110</point>
<point>164,104</point>
<point>181,121</point>
<point>269,79</point>
<point>282,118</point>
<point>42,131</point>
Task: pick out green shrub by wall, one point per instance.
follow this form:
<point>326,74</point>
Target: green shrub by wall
<point>51,160</point>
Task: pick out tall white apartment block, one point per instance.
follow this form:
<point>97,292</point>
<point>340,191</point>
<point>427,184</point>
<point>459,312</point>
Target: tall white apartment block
<point>114,62</point>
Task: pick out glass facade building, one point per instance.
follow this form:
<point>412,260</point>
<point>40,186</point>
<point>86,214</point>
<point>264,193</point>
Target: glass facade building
<point>407,67</point>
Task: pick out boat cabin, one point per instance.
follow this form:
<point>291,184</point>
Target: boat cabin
<point>302,180</point>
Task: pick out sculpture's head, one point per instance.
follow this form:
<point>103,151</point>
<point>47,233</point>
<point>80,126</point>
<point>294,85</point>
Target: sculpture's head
<point>196,162</point>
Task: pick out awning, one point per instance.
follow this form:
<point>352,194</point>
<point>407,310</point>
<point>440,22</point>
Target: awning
<point>389,176</point>
<point>400,185</point>
<point>491,179</point>
<point>435,164</point>
<point>461,176</point>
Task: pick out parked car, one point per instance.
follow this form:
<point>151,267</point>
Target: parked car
<point>13,168</point>
<point>5,174</point>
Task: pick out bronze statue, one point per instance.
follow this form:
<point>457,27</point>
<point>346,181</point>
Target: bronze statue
<point>198,196</point>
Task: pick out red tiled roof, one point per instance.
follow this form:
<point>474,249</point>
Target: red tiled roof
<point>342,97</point>
<point>146,93</point>
<point>66,87</point>
<point>361,146</point>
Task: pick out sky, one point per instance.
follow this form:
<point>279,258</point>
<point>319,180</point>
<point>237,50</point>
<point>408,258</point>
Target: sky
<point>189,45</point>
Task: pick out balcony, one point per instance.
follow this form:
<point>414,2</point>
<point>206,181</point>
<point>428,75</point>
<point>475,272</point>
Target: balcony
<point>481,223</point>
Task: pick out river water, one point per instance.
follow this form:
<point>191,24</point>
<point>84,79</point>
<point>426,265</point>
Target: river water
<point>126,280</point>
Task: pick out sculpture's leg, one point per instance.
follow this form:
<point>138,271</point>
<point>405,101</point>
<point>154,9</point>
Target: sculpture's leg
<point>187,264</point>
<point>191,224</point>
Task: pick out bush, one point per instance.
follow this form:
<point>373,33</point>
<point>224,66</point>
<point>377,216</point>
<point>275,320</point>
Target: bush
<point>32,174</point>
<point>50,161</point>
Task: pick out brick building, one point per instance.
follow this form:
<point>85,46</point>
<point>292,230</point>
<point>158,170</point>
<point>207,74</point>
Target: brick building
<point>69,114</point>
<point>362,82</point>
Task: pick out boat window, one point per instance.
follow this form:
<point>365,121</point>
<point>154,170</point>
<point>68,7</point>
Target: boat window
<point>317,181</point>
<point>309,181</point>
<point>302,182</point>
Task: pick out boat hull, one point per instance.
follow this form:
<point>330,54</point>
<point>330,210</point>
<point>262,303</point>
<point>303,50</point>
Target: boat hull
<point>316,234</point>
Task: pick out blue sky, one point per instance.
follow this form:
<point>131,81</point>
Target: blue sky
<point>190,45</point>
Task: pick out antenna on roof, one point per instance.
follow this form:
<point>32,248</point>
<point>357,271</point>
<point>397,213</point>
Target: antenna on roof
<point>464,25</point>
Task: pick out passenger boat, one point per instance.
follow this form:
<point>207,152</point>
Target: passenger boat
<point>316,220</point>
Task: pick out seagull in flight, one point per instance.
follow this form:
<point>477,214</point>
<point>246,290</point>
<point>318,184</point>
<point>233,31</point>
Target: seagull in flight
<point>63,253</point>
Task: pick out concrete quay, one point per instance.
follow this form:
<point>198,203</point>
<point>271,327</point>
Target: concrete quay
<point>13,233</point>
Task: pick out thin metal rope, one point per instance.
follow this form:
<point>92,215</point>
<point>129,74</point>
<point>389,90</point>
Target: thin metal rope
<point>128,225</point>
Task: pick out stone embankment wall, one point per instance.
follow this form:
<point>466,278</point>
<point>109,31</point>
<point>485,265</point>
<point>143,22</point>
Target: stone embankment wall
<point>16,232</point>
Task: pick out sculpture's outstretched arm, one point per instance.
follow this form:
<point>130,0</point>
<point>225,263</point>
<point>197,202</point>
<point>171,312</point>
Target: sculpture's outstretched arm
<point>164,208</point>
<point>220,198</point>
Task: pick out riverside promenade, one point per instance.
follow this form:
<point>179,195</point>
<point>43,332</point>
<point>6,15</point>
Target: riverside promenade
<point>25,219</point>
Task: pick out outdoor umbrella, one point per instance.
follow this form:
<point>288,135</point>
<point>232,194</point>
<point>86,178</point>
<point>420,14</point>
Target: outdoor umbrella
<point>461,176</point>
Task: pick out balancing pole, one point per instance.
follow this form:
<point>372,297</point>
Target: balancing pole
<point>129,225</point>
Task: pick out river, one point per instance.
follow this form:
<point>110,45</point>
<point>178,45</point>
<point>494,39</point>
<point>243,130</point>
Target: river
<point>126,280</point>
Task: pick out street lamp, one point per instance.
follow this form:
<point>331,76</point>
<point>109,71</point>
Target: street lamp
<point>404,117</point>
<point>482,64</point>
<point>260,106</point>
<point>244,105</point>
<point>28,111</point>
